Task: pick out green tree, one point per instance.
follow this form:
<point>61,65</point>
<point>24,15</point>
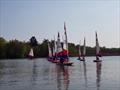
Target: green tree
<point>2,48</point>
<point>15,49</point>
<point>72,49</point>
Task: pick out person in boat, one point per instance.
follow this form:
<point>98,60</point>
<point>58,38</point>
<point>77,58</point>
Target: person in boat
<point>65,54</point>
<point>60,57</point>
<point>50,58</point>
<point>55,56</point>
<point>98,55</point>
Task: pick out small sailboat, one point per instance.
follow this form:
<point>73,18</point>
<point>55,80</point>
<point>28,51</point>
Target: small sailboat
<point>55,52</point>
<point>84,51</point>
<point>58,48</point>
<point>49,53</point>
<point>79,51</point>
<point>98,54</point>
<point>31,54</point>
<point>65,49</point>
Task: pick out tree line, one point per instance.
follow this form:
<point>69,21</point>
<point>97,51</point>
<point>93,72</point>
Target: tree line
<point>18,49</point>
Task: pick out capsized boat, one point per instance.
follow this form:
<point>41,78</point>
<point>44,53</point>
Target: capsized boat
<point>98,54</point>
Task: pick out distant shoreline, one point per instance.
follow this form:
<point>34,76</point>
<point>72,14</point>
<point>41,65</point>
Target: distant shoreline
<point>15,49</point>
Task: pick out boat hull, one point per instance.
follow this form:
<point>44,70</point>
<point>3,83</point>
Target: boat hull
<point>55,61</point>
<point>30,57</point>
<point>78,58</point>
<point>82,60</point>
<point>97,60</point>
<point>49,59</point>
<point>66,63</point>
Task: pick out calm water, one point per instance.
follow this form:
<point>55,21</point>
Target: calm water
<point>40,74</point>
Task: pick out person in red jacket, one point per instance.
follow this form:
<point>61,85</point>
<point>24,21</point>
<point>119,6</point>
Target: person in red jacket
<point>60,56</point>
<point>65,54</point>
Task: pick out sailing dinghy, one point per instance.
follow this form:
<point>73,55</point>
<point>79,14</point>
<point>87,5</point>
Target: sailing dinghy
<point>98,54</point>
<point>65,49</point>
<point>84,51</point>
<point>55,52</point>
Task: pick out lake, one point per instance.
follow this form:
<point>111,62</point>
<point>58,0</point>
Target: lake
<point>40,74</point>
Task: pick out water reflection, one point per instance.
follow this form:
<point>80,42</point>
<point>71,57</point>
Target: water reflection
<point>1,67</point>
<point>98,74</point>
<point>85,73</point>
<point>83,70</point>
<point>34,71</point>
<point>62,77</point>
<point>39,74</point>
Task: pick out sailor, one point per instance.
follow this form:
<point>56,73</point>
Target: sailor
<point>55,56</point>
<point>65,54</point>
<point>61,58</point>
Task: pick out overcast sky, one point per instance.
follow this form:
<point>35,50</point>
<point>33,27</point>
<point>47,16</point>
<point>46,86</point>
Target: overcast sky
<point>21,19</point>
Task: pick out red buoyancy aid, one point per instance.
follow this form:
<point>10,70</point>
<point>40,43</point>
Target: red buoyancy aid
<point>65,52</point>
<point>59,54</point>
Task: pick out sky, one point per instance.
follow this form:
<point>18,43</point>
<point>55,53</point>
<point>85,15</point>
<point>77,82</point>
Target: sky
<point>22,19</point>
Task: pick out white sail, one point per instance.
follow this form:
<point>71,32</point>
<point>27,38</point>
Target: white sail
<point>31,54</point>
<point>66,41</point>
<point>54,47</point>
<point>84,49</point>
<point>64,44</point>
<point>97,46</point>
<point>49,51</point>
<point>98,54</point>
<point>59,46</point>
<point>79,50</point>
